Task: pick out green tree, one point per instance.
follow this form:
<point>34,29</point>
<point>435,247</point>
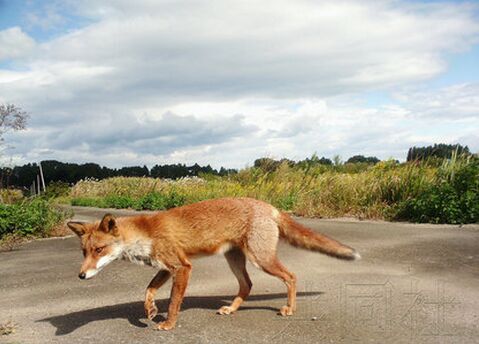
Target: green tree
<point>363,159</point>
<point>440,150</point>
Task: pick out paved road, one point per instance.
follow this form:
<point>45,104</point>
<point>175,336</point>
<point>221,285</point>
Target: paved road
<point>415,283</point>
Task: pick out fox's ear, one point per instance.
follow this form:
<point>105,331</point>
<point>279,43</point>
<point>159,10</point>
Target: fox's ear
<point>108,224</point>
<point>77,227</point>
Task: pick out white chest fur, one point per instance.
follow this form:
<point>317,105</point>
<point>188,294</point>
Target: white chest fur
<point>139,252</point>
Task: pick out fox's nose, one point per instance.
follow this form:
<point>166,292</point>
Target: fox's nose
<point>82,275</point>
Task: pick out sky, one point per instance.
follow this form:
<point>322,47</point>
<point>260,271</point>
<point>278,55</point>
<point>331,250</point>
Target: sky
<point>122,83</point>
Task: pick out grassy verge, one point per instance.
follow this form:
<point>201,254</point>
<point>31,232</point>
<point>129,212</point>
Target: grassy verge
<point>453,198</point>
<point>420,192</point>
<point>28,218</point>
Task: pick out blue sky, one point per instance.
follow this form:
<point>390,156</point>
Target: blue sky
<point>144,82</point>
<point>461,67</point>
<point>18,13</point>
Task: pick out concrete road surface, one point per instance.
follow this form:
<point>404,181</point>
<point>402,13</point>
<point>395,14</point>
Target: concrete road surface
<point>415,284</point>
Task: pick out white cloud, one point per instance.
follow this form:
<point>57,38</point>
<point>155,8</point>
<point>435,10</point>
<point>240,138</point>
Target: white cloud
<point>14,43</point>
<point>243,79</point>
<point>455,102</point>
<point>280,49</point>
<point>235,133</point>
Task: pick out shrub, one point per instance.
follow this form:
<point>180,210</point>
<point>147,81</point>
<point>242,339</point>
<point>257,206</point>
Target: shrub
<point>152,201</point>
<point>175,199</point>
<point>57,189</point>
<point>88,202</point>
<point>454,199</point>
<point>30,217</point>
<point>119,202</point>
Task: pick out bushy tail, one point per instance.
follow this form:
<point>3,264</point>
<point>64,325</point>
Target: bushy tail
<point>303,237</point>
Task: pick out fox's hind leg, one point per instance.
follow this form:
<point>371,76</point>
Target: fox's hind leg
<point>237,262</point>
<point>161,278</point>
<point>261,251</point>
<point>275,268</point>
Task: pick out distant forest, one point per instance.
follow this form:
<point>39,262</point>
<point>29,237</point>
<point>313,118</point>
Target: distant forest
<point>23,176</point>
<point>437,151</point>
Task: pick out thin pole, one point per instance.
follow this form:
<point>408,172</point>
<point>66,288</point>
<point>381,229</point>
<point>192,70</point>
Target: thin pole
<point>41,175</point>
<point>39,188</point>
<point>34,190</point>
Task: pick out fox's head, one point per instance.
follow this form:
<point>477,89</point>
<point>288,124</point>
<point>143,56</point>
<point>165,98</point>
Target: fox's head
<point>101,244</point>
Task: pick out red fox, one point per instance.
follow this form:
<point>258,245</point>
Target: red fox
<point>241,228</point>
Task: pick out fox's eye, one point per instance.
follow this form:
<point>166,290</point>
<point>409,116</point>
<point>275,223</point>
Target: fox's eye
<point>99,249</point>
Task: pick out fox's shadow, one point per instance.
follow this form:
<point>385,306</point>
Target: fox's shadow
<point>133,311</point>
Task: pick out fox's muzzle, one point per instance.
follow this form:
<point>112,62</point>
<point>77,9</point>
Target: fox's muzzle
<point>91,265</point>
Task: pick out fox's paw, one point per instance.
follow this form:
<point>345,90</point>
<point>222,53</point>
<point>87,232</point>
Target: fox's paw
<point>151,310</point>
<point>225,310</point>
<point>286,311</point>
<point>165,325</point>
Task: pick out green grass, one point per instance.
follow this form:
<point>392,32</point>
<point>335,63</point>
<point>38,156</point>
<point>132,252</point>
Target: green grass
<point>453,198</point>
<point>420,192</point>
<point>151,201</point>
<point>29,217</point>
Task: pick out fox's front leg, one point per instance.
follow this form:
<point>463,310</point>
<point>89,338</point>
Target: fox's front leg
<point>180,281</point>
<point>161,278</point>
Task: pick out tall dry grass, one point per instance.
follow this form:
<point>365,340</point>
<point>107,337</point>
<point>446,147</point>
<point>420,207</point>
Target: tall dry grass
<point>372,192</point>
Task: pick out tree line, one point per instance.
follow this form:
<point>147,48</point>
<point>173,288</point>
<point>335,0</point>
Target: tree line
<point>53,171</point>
<point>268,164</point>
<point>23,176</point>
<point>441,150</point>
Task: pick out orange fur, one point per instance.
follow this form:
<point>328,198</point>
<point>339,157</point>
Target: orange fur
<point>246,228</point>
<point>303,237</point>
